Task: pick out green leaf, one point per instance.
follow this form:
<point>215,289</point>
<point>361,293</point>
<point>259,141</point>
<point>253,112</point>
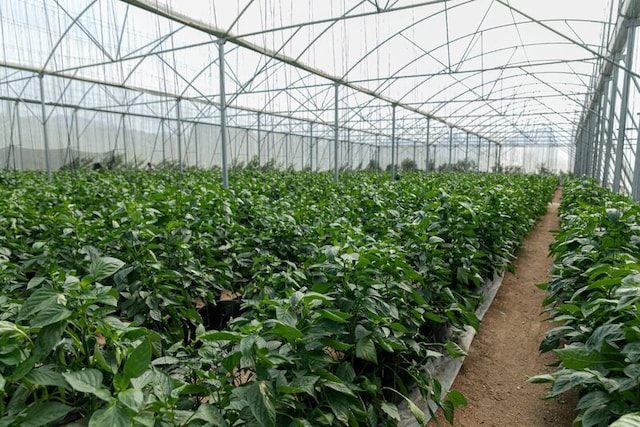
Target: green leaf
<point>221,336</point>
<point>595,416</point>
<point>366,349</point>
<point>594,398</point>
<point>53,314</point>
<point>48,338</point>
<point>37,301</point>
<point>285,331</point>
<point>211,415</point>
<point>103,267</point>
<point>454,349</point>
<point>46,376</point>
<point>391,410</point>
<point>305,383</point>
<point>138,361</point>
<point>456,398</point>
<point>416,412</point>
<point>132,399</point>
<point>105,359</point>
<point>605,333</point>
<point>568,379</point>
<point>579,358</point>
<point>628,420</point>
<point>44,413</point>
<point>258,398</point>
<point>8,328</point>
<point>88,381</point>
<point>334,315</point>
<point>113,416</point>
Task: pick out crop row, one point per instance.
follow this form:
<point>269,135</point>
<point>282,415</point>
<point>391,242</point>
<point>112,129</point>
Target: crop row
<point>152,299</point>
<point>595,294</point>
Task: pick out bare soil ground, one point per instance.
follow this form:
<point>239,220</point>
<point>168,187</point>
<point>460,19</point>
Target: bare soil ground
<point>504,353</point>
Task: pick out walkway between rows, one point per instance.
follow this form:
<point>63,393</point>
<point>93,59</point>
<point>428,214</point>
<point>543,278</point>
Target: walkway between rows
<point>504,353</point>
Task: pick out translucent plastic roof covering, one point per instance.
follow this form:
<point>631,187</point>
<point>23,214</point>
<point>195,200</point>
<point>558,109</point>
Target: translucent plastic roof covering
<point>510,71</point>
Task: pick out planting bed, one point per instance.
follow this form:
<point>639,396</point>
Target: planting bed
<point>334,295</point>
<point>595,294</point>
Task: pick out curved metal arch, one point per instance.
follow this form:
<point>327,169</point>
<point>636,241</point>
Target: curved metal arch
<point>473,88</point>
<point>74,22</point>
<point>389,81</point>
<point>482,71</point>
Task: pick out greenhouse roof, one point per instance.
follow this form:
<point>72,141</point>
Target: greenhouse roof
<point>509,71</point>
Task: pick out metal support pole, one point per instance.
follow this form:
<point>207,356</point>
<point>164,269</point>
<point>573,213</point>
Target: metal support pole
<point>393,142</point>
<point>336,132</point>
<point>426,160</point>
<point>349,160</point>
<point>310,147</point>
<point>378,151</point>
<point>18,128</point>
<point>77,132</point>
<point>259,140</point>
<point>617,173</point>
<point>478,153</point>
<point>601,133</point>
<point>611,117</point>
<point>488,156</point>
<point>124,141</point>
<point>44,128</point>
<point>195,141</point>
<point>450,149</point>
<point>179,120</point>
<point>499,157</point>
<point>223,116</point>
<point>466,153</point>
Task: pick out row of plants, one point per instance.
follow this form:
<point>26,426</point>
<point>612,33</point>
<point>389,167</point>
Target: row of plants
<point>160,298</point>
<point>594,295</point>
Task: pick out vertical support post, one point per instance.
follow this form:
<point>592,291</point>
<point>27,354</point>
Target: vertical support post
<point>302,160</point>
<point>164,150</point>
<point>488,156</point>
<point>311,147</point>
<point>450,149</point>
<point>378,151</point>
<point>124,141</point>
<point>223,116</point>
<point>478,153</point>
<point>336,132</point>
<point>601,133</point>
<point>349,160</point>
<point>393,142</point>
<point>426,160</point>
<point>259,139</point>
<point>18,128</point>
<point>415,143</point>
<point>76,129</point>
<point>611,117</point>
<point>286,151</point>
<point>499,156</point>
<point>195,141</point>
<point>246,146</point>
<point>44,128</point>
<point>466,153</point>
<point>624,106</point>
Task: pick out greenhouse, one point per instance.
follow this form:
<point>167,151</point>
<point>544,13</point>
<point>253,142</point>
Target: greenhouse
<point>290,213</point>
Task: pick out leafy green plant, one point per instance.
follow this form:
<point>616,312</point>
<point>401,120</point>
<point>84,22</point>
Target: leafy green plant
<point>594,294</point>
<point>111,306</point>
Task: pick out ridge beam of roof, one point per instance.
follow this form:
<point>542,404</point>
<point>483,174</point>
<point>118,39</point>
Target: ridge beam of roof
<point>166,12</point>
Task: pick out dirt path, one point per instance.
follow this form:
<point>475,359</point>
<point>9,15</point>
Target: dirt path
<point>505,350</point>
